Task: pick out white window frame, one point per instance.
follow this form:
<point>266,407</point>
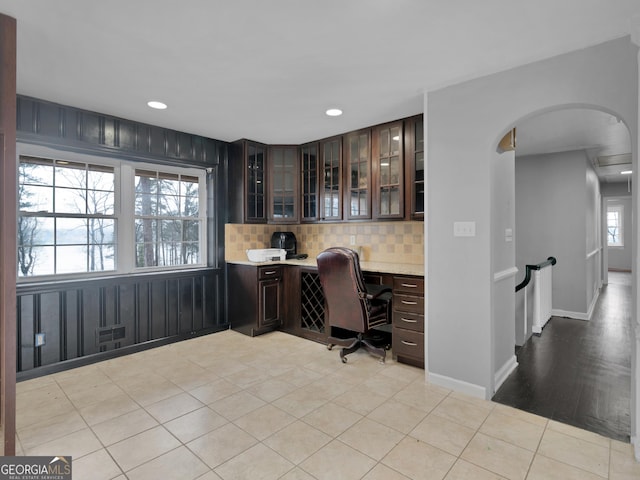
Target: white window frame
<point>124,201</point>
<point>619,209</point>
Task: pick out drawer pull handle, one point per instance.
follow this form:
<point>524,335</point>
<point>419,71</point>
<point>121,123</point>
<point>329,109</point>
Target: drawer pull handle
<point>410,344</point>
<point>272,272</point>
<point>410,285</point>
<point>408,320</point>
<point>409,303</point>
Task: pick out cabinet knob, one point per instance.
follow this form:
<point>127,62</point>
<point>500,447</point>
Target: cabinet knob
<point>408,320</point>
<point>272,272</point>
<point>410,344</point>
<point>409,303</point>
<point>410,285</point>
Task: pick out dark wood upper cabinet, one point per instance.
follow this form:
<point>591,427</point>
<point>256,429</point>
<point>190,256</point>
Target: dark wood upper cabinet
<point>375,173</point>
<point>248,182</point>
<point>310,171</point>
<point>414,162</point>
<point>387,165</point>
<point>357,166</point>
<point>284,190</point>
<point>331,179</point>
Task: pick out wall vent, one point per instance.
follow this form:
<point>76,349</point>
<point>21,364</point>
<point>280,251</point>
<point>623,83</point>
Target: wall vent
<point>609,160</point>
<point>109,334</point>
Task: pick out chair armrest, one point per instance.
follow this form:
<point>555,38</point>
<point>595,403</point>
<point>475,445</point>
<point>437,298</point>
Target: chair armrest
<point>374,291</point>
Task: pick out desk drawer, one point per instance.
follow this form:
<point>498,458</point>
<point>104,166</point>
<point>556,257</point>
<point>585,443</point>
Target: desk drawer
<point>410,285</point>
<point>408,303</point>
<point>408,343</point>
<point>409,321</point>
<point>265,273</point>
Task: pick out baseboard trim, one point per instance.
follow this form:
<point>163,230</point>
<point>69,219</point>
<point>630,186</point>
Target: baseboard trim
<point>504,371</point>
<point>579,315</point>
<point>565,313</point>
<point>458,385</point>
<point>594,300</point>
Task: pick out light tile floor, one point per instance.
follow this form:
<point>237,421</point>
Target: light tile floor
<point>227,406</point>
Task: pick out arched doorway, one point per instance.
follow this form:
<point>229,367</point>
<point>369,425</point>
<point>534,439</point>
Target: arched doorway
<point>565,159</point>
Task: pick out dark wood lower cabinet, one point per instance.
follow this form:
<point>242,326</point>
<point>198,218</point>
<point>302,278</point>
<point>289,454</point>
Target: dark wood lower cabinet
<point>408,320</point>
<point>255,298</point>
<point>295,304</point>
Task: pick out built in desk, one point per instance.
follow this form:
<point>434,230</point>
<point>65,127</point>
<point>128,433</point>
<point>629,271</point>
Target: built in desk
<point>287,295</point>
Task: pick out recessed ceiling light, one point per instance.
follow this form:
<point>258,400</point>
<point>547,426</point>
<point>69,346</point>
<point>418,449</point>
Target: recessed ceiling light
<point>157,105</point>
<point>334,112</point>
<point>626,172</point>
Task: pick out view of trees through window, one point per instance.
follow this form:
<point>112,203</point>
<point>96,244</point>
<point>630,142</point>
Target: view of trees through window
<point>66,220</point>
<point>166,219</point>
<point>614,226</point>
<point>69,223</point>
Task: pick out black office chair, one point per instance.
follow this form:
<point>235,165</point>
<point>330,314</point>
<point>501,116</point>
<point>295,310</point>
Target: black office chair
<point>354,311</point>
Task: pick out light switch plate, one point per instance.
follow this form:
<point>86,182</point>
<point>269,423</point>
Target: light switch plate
<point>40,339</point>
<point>464,229</point>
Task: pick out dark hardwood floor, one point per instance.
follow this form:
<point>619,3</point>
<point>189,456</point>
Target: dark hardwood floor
<point>579,372</point>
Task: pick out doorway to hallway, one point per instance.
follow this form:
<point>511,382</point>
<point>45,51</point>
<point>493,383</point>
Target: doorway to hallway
<point>579,372</point>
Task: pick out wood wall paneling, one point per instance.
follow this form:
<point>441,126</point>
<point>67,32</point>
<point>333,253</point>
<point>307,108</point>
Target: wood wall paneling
<point>43,122</point>
<point>101,317</point>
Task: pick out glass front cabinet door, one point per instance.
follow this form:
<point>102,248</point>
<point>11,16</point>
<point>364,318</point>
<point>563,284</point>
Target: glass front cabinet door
<point>331,180</point>
<point>358,174</point>
<point>255,186</point>
<point>414,154</point>
<point>388,162</point>
<point>310,171</point>
<point>283,182</point>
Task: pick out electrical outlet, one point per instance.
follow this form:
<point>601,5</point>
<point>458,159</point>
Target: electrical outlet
<point>40,339</point>
<point>352,240</point>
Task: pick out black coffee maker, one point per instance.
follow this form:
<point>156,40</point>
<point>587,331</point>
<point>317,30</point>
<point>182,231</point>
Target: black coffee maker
<point>286,241</point>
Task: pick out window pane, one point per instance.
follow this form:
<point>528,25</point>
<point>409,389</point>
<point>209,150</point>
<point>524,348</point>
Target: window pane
<point>100,202</point>
<point>71,231</point>
<point>614,226</point>
<point>100,178</point>
<point>35,261</point>
<point>69,200</point>
<point>35,231</point>
<point>171,231</point>
<point>146,255</point>
<point>101,231</point>
<point>146,230</point>
<point>35,199</point>
<point>35,172</point>
<point>191,230</point>
<point>71,259</point>
<point>101,258</point>
<point>169,205</point>
<point>72,175</point>
<point>146,204</point>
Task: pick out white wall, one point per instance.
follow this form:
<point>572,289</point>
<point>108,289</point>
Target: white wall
<point>465,122</point>
<point>504,271</point>
<point>551,221</point>
<point>593,238</point>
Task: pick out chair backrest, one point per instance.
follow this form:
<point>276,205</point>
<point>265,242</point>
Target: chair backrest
<point>344,289</point>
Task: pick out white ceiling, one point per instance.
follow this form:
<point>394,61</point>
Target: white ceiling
<point>603,137</point>
<point>267,70</point>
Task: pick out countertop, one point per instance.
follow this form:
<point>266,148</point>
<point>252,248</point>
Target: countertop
<point>380,267</point>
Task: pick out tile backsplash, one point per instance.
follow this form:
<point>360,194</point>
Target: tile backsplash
<point>394,242</point>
